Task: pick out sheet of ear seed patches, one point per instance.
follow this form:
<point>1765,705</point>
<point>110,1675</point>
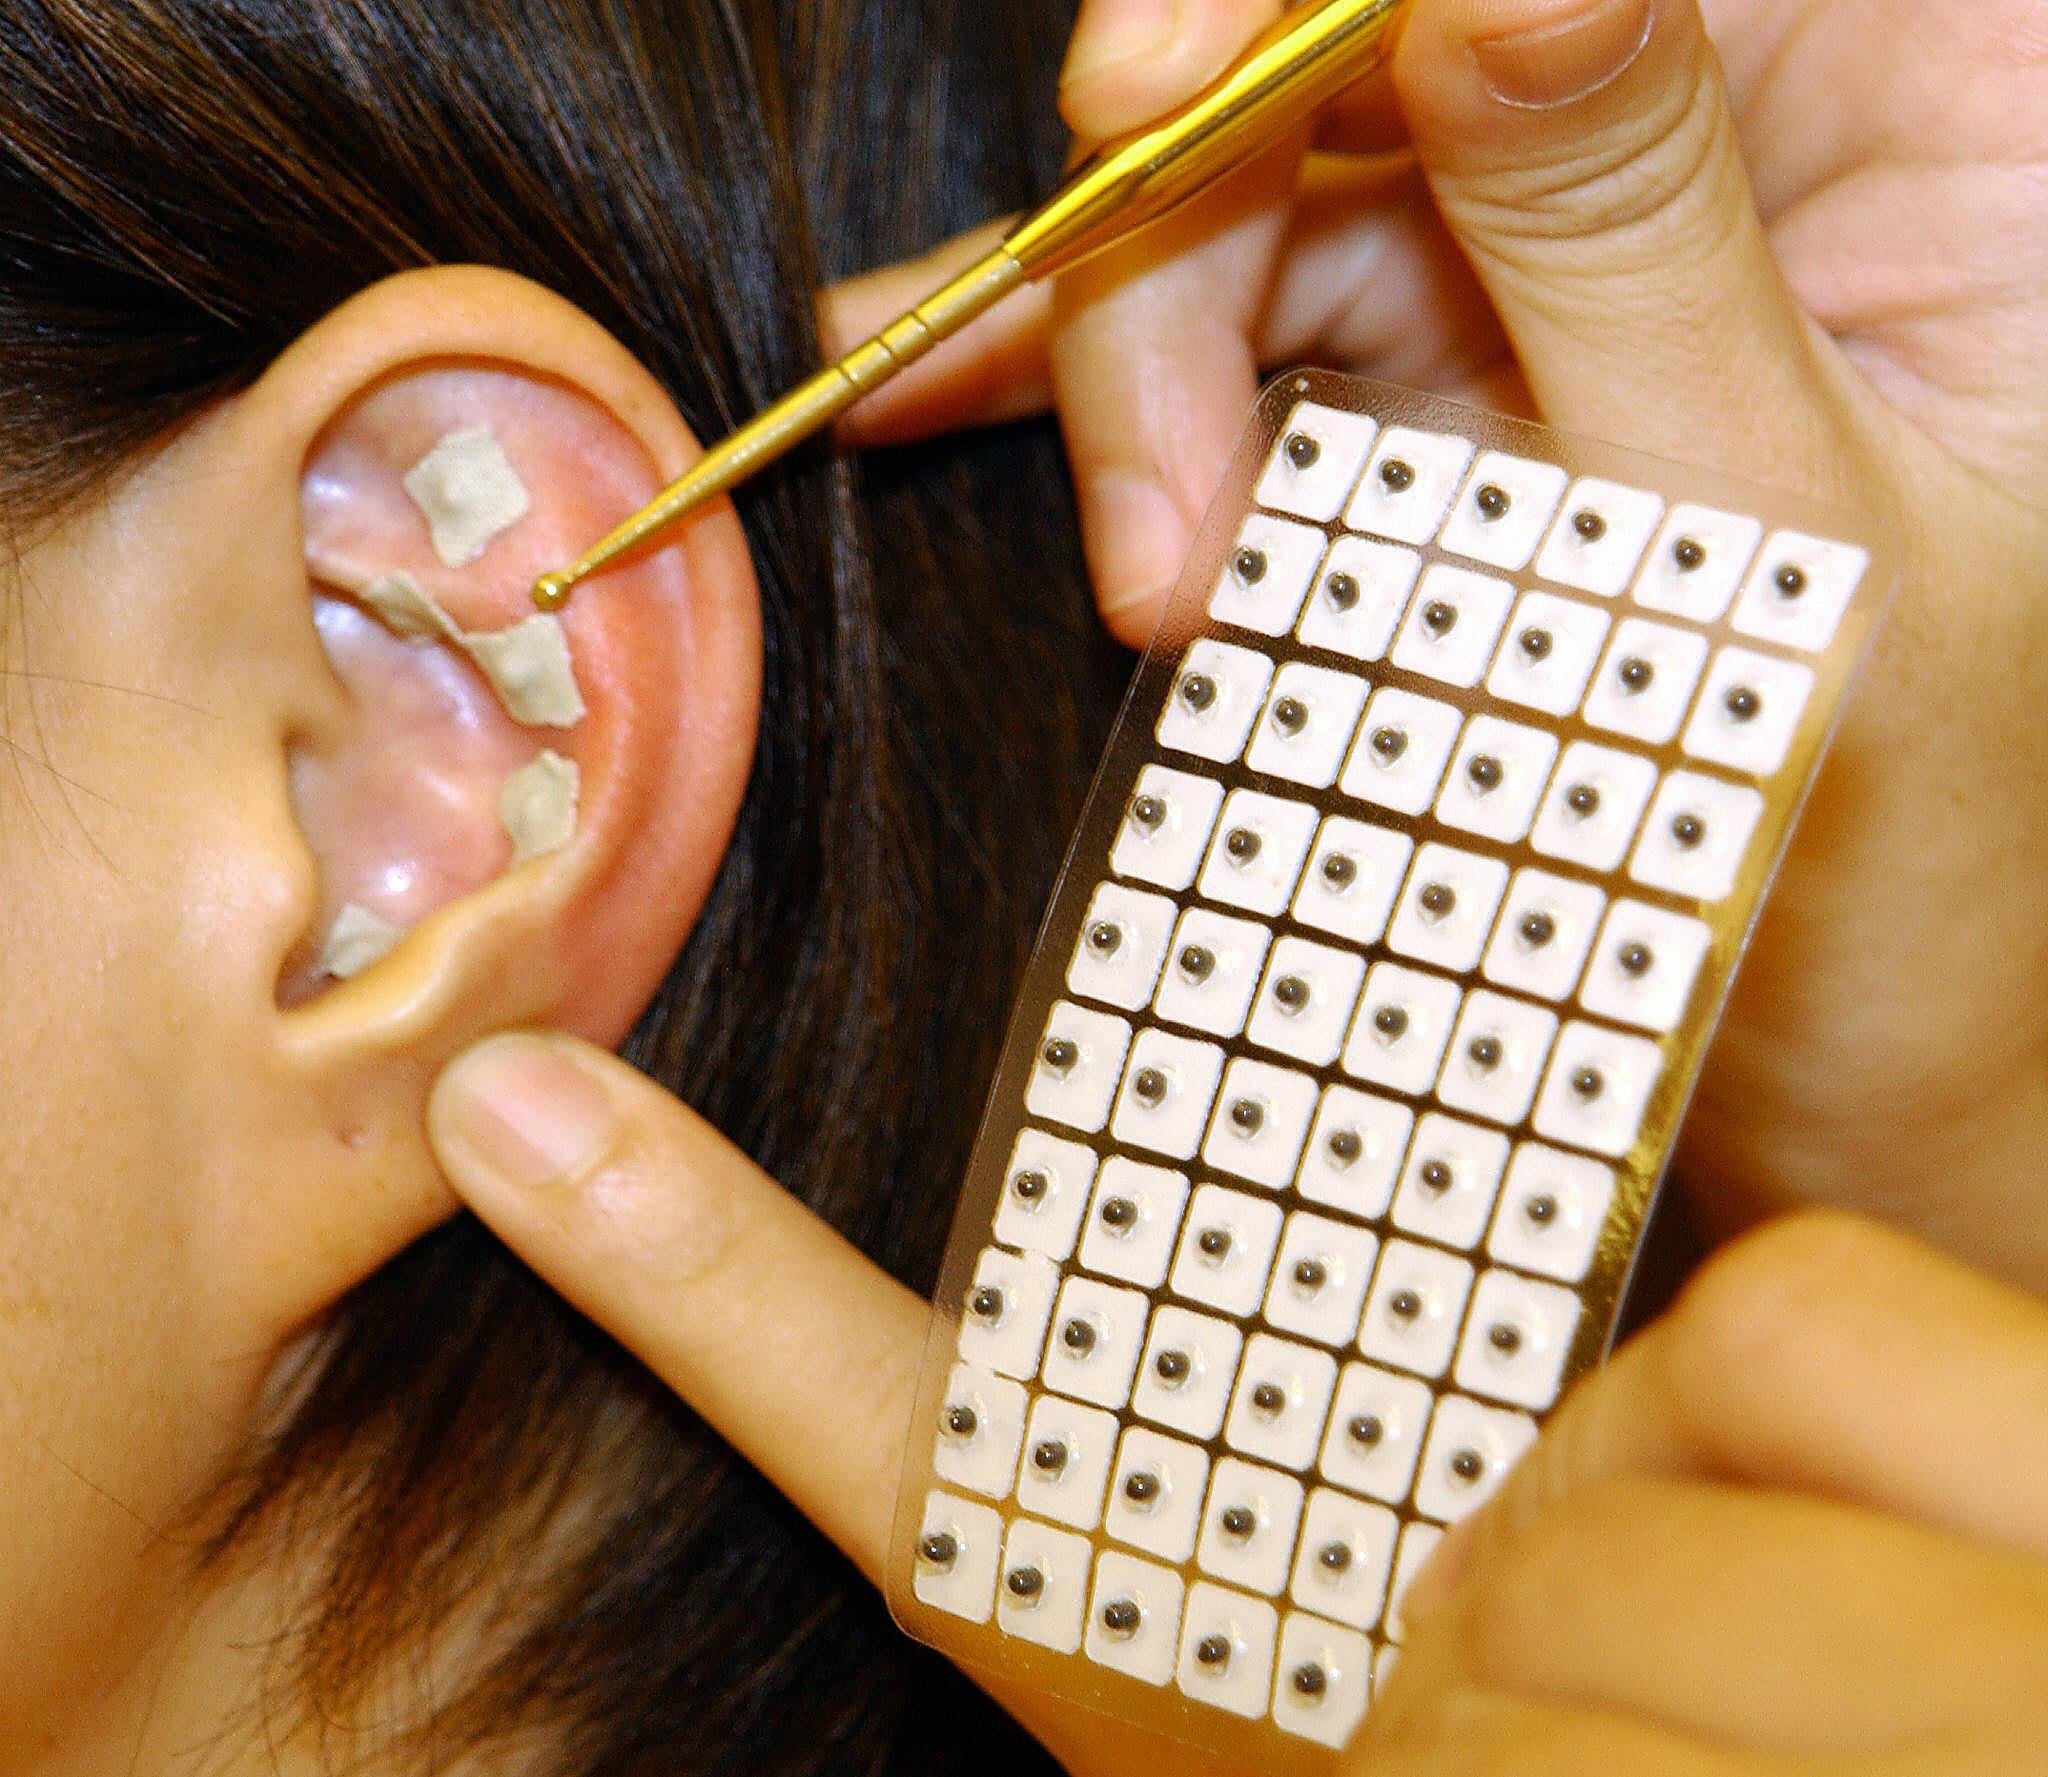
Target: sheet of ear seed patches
<point>1356,1039</point>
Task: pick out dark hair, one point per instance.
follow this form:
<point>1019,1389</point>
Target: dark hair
<point>185,186</point>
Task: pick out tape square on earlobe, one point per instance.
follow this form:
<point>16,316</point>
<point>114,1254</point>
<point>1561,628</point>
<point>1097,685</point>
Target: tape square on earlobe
<point>468,492</point>
<point>537,803</point>
<point>357,939</point>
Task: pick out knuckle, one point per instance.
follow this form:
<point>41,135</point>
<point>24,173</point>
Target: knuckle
<point>1757,1308</point>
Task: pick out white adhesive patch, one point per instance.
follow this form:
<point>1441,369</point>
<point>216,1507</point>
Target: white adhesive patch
<point>538,806</point>
<point>468,493</point>
<point>527,664</point>
<point>358,939</point>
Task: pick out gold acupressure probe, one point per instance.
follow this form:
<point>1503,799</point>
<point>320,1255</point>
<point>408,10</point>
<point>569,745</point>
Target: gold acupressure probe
<point>1307,58</point>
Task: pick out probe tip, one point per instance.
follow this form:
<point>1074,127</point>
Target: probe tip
<point>551,591</point>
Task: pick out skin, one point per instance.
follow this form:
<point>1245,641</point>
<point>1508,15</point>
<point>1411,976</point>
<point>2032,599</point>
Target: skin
<point>1797,1527</point>
<point>193,1174</point>
<point>193,786</point>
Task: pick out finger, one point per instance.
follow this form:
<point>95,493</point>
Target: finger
<point>992,370</point>
<point>1823,1355</point>
<point>1431,1722</point>
<point>1766,1620</point>
<point>1584,155</point>
<point>740,1299</point>
<point>1129,61</point>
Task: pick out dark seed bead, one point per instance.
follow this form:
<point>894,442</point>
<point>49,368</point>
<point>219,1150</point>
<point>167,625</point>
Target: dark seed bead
<point>1439,617</point>
<point>986,1303</point>
<point>961,1421</point>
<point>1290,715</point>
<point>1366,1430</point>
<point>939,1549</point>
<point>1492,501</point>
<point>1437,899</point>
<point>1060,1053</point>
<point>1172,1366</point>
<point>1537,929</point>
<point>1213,1650</point>
<point>1342,591</point>
<point>1389,743</point>
<point>1141,1487</point>
<point>1214,1242</point>
<point>1303,451</point>
<point>1242,844</point>
<point>1269,1398</point>
<point>1196,963</point>
<point>1120,1616</point>
<point>1103,938</point>
<point>1742,703</point>
<point>1587,1083</point>
<point>1250,565</point>
<point>1311,1274</point>
<point>1688,553</point>
<point>1119,1212</point>
<point>1248,1115</point>
<point>1541,1210</point>
<point>1030,1185</point>
<point>1688,830</point>
<point>1048,1456</point>
<point>1390,1022</point>
<point>1435,1176</point>
<point>1536,643</point>
<point>1589,524</point>
<point>1505,1339</point>
<point>1582,799</point>
<point>1635,673</point>
<point>1635,959</point>
<point>1292,993</point>
<point>1335,1557</point>
<point>1310,1680</point>
<point>1396,476</point>
<point>1078,1337</point>
<point>1485,771</point>
<point>1345,1146</point>
<point>1790,581</point>
<point>1468,1465</point>
<point>1485,1052</point>
<point>1198,691</point>
<point>1025,1582</point>
<point>1405,1304</point>
<point>1148,811</point>
<point>1238,1521</point>
<point>1148,1085</point>
<point>1340,870</point>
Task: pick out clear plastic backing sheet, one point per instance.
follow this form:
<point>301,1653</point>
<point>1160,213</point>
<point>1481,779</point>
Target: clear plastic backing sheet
<point>1354,1045</point>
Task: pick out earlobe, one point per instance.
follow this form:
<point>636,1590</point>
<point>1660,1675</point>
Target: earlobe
<point>511,823</point>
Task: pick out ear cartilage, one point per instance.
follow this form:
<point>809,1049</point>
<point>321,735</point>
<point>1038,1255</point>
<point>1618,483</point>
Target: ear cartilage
<point>357,939</point>
<point>538,806</point>
<point>527,664</point>
<point>468,492</point>
<point>1339,1088</point>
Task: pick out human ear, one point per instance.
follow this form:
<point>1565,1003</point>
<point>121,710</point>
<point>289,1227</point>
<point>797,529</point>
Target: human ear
<point>397,761</point>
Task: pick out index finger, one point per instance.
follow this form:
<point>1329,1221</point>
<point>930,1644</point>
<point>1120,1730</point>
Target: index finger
<point>793,1345</point>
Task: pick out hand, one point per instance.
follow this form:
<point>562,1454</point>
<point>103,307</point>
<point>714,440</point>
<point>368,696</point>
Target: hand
<point>1800,1520</point>
<point>1826,269</point>
<point>1800,1526</point>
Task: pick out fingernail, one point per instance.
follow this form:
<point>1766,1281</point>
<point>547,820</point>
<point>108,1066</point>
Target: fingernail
<point>1431,1592</point>
<point>1137,538</point>
<point>1113,32</point>
<point>523,1110</point>
<point>1564,59</point>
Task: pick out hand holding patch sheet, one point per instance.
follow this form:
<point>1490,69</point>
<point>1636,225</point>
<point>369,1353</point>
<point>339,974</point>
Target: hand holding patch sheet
<point>468,492</point>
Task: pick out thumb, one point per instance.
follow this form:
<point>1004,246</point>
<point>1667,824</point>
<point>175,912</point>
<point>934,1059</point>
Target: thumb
<point>1584,155</point>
